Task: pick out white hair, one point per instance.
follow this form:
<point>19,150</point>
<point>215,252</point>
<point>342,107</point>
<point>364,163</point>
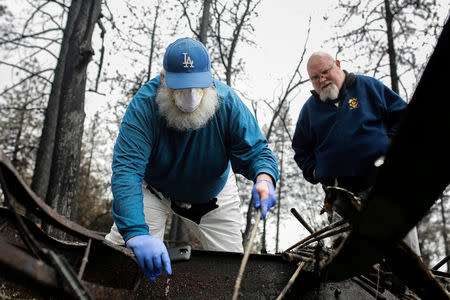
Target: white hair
<point>329,92</point>
<point>187,120</point>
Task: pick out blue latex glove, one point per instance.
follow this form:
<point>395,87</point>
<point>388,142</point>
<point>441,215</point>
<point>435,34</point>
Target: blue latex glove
<point>151,254</point>
<point>267,202</point>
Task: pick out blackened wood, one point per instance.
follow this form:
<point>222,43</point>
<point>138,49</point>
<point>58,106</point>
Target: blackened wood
<point>415,172</point>
<point>63,183</point>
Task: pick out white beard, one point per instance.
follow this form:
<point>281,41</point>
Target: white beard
<point>187,120</point>
<point>330,92</point>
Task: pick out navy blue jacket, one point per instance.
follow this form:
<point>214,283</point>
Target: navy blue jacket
<point>343,142</point>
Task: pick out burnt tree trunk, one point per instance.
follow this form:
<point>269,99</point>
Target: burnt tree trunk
<point>41,175</point>
<point>59,158</point>
<point>233,46</point>
<point>444,229</point>
<point>391,49</point>
<point>152,42</point>
<point>204,24</point>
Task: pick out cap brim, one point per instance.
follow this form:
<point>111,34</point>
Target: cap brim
<point>177,81</point>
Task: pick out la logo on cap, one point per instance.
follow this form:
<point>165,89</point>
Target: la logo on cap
<point>187,65</point>
<point>188,62</point>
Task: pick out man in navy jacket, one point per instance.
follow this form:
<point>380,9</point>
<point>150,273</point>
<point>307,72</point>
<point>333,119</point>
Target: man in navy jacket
<point>345,127</point>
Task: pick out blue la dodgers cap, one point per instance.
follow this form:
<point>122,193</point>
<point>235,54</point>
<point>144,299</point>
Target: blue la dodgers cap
<point>187,65</point>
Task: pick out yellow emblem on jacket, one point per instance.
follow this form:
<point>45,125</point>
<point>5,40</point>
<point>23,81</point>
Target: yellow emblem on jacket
<point>353,103</point>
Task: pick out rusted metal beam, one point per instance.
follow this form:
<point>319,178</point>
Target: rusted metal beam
<point>24,195</point>
<point>22,267</point>
<point>109,265</point>
<point>67,275</point>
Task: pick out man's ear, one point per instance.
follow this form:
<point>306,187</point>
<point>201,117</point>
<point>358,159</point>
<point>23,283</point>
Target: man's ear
<point>338,63</point>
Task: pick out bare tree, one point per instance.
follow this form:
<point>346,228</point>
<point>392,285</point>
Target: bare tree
<point>433,232</point>
<point>136,41</point>
<point>227,25</point>
<point>59,155</point>
<point>41,175</point>
<point>152,41</point>
<point>385,36</point>
<point>94,196</point>
<point>29,52</point>
<point>389,18</point>
<point>200,29</point>
<point>444,227</point>
<point>23,41</point>
<point>232,24</point>
<point>39,38</point>
<point>205,21</point>
<point>21,116</point>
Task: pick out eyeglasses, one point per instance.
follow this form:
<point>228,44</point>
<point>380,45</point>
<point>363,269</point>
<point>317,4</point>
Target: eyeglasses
<point>323,73</point>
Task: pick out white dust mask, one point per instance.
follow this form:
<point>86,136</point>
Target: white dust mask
<point>188,100</point>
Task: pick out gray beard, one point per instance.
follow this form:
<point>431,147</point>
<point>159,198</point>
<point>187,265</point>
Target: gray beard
<point>331,92</point>
<point>183,121</point>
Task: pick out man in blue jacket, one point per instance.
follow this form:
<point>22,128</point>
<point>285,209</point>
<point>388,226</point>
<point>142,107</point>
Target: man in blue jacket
<point>345,127</point>
<point>181,138</point>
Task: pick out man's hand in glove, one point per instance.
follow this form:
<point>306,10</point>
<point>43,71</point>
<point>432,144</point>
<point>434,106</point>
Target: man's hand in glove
<point>151,254</point>
<point>264,194</point>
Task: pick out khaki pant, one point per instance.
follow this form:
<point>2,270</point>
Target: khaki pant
<point>219,229</point>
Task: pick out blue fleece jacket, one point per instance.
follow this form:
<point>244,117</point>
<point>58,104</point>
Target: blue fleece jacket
<point>343,142</point>
<point>187,166</point>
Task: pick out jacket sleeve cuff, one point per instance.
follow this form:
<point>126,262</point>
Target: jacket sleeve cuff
<point>128,234</point>
<point>270,173</point>
<point>308,174</point>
